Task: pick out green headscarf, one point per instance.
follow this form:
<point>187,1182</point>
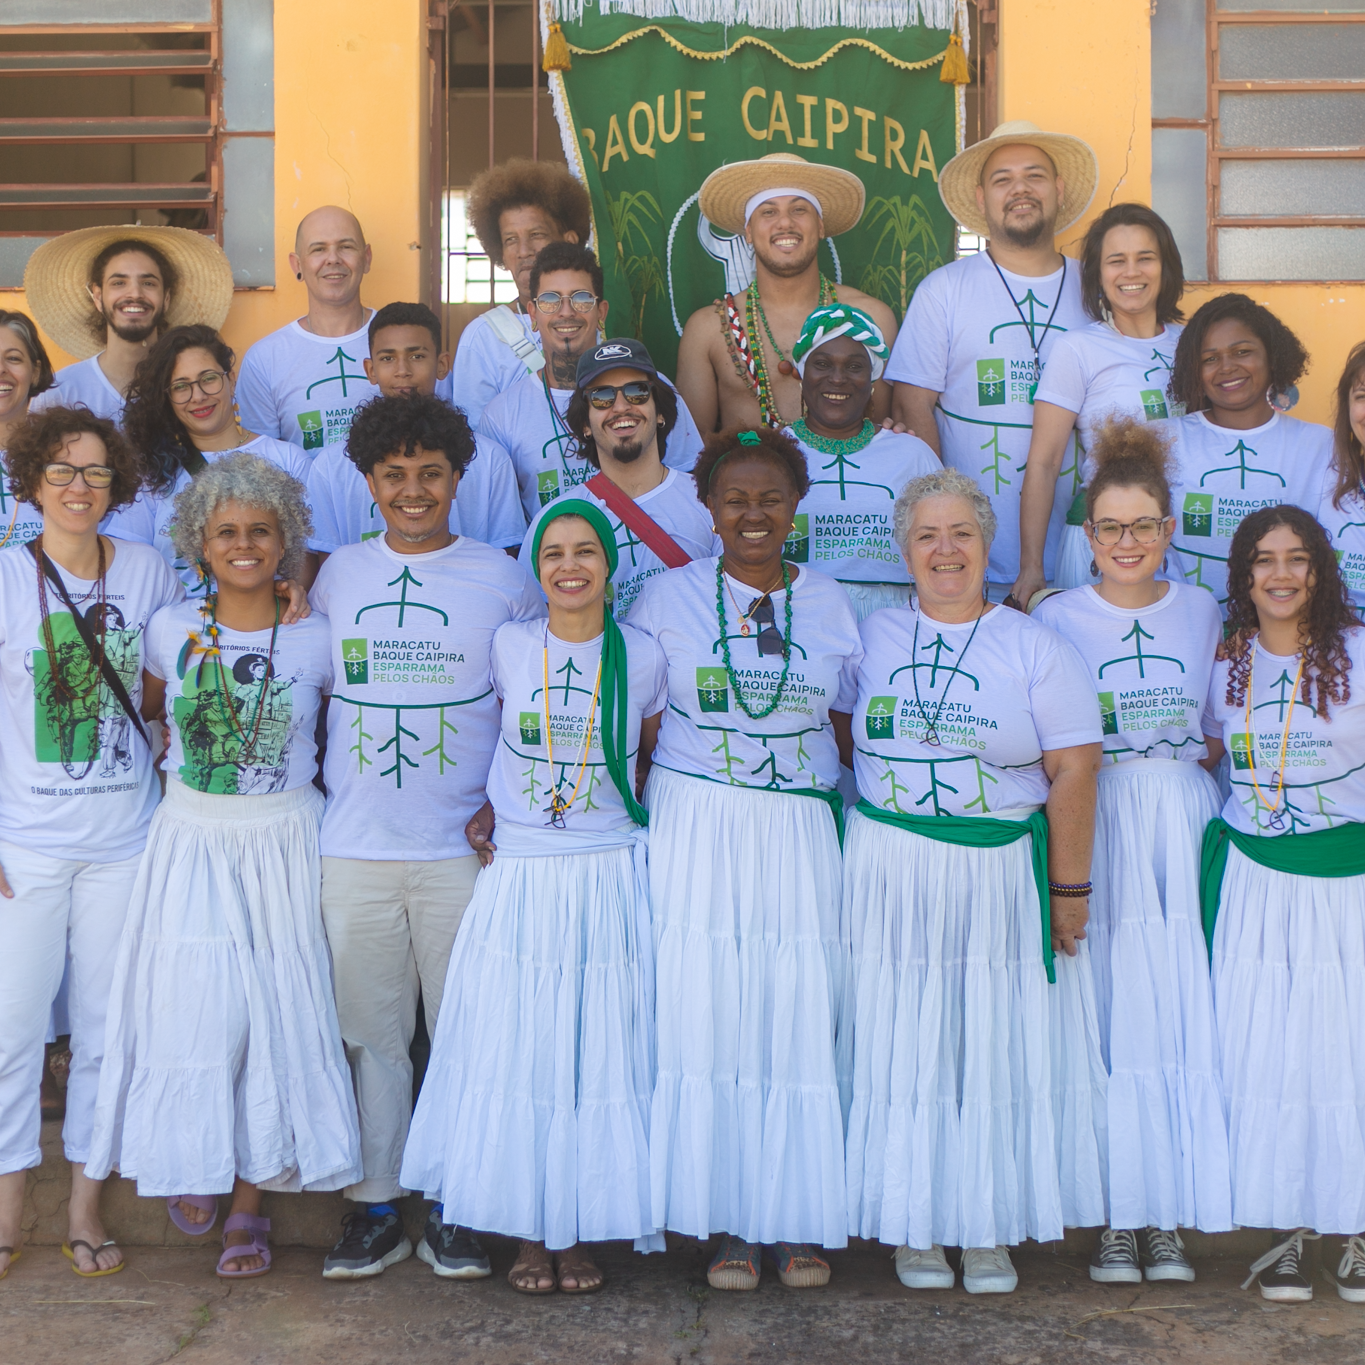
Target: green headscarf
<point>615,667</point>
<point>836,320</point>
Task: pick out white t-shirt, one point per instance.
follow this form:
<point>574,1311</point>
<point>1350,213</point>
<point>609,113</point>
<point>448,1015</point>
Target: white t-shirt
<point>674,506</point>
<point>77,778</point>
<point>1222,476</point>
<point>705,733</point>
<point>413,721</point>
<point>1346,527</point>
<point>1324,761</point>
<point>302,388</point>
<point>526,768</point>
<point>83,385</point>
<point>843,525</point>
<point>1019,689</point>
<point>483,367</point>
<point>487,504</point>
<point>544,451</point>
<point>148,518</point>
<point>969,336</point>
<point>1149,666</point>
<point>27,520</point>
<point>1098,372</point>
<point>247,730</point>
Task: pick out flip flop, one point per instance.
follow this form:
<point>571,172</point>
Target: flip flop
<point>13,1256</point>
<point>257,1227</point>
<point>207,1202</point>
<point>69,1251</point>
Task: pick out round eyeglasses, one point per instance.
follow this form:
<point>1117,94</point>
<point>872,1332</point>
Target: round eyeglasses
<point>1146,530</point>
<point>209,383</point>
<point>581,301</point>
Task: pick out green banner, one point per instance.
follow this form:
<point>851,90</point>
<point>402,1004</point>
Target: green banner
<point>651,107</point>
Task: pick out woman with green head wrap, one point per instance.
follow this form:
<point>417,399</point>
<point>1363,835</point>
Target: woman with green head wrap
<point>533,1118</point>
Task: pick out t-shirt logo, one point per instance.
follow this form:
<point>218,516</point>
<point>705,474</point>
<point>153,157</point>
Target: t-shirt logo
<point>1243,751</point>
<point>713,689</point>
<point>547,486</point>
<point>355,656</point>
<point>881,718</point>
<point>1109,715</point>
<point>797,547</point>
<point>310,423</point>
<point>990,383</point>
<point>1153,404</point>
<point>528,722</point>
<point>1197,514</point>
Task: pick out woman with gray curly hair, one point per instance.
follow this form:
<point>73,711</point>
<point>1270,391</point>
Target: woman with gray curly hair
<point>978,1088</point>
<point>224,1070</point>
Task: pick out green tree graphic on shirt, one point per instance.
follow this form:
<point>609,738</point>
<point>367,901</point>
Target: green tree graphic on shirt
<point>1138,635</point>
<point>1241,467</point>
<point>340,359</point>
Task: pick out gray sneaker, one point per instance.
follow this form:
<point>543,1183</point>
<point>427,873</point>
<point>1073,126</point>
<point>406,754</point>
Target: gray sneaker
<point>368,1246</point>
<point>452,1252</point>
<point>1115,1258</point>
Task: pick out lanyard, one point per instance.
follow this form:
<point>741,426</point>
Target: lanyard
<point>1028,326</point>
<point>1276,820</point>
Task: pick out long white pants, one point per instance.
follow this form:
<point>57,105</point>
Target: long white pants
<point>390,926</point>
<point>60,906</point>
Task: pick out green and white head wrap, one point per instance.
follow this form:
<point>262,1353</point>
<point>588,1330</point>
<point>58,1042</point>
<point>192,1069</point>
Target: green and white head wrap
<point>836,320</point>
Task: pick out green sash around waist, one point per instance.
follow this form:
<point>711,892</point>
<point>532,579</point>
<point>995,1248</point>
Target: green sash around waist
<point>1336,852</point>
<point>983,832</point>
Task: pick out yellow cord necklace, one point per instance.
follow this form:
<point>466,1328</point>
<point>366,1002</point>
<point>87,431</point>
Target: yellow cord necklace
<point>559,807</point>
<point>1276,820</point>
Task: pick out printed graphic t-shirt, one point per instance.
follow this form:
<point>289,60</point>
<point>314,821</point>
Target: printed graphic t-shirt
<point>1149,666</point>
<point>969,335</point>
<point>996,703</point>
<point>1346,527</point>
<point>484,366</point>
<point>843,525</point>
<point>245,728</point>
<point>302,388</point>
<point>413,719</point>
<point>20,520</point>
<point>705,732</point>
<point>1324,760</point>
<point>78,779</point>
<point>82,385</point>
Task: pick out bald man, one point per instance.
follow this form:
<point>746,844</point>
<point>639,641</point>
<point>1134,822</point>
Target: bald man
<point>302,383</point>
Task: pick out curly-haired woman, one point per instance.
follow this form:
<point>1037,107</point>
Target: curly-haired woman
<point>1342,508</point>
<point>1283,890</point>
<point>25,372</point>
<point>224,1069</point>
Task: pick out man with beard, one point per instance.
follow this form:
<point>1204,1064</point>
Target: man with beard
<point>734,366</point>
<point>105,294</point>
<point>979,330</point>
<point>624,413</point>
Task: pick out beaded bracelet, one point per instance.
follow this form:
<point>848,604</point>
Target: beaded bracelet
<point>1076,890</point>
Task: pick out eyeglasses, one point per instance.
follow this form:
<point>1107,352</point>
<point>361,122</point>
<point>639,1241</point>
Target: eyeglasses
<point>761,613</point>
<point>95,475</point>
<point>636,393</point>
<point>1146,530</point>
<point>581,301</point>
<point>210,382</point>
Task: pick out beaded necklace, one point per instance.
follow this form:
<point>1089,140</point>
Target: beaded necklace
<point>559,807</point>
<point>1276,820</point>
<point>209,611</point>
<point>725,642</point>
<point>62,689</point>
<point>746,347</point>
<point>828,445</point>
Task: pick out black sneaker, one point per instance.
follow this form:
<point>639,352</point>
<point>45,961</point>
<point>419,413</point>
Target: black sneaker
<point>1351,1271</point>
<point>1281,1271</point>
<point>452,1252</point>
<point>1163,1255</point>
<point>1115,1258</point>
<point>369,1245</point>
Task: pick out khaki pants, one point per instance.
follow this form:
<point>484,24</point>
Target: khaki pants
<point>390,926</point>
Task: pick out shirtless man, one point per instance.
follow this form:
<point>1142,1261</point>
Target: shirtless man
<point>733,362</point>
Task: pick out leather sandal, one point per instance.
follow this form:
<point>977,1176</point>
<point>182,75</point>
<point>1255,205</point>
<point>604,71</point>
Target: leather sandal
<point>578,1266</point>
<point>533,1259</point>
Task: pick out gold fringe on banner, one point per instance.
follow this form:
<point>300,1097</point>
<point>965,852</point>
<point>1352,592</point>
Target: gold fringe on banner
<point>955,70</point>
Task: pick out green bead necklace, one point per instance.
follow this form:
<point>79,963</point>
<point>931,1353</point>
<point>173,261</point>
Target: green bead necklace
<point>725,642</point>
<point>827,445</point>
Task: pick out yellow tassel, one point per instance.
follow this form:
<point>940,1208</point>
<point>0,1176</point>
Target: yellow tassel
<point>955,70</point>
<point>556,51</point>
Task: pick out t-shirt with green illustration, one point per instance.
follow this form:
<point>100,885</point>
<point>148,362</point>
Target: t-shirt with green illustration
<point>413,719</point>
<point>969,336</point>
<point>77,777</point>
<point>1149,666</point>
<point>242,725</point>
<point>995,701</point>
<point>1345,525</point>
<point>1324,760</point>
<point>545,743</point>
<point>843,524</point>
<point>705,732</point>
<point>1222,476</point>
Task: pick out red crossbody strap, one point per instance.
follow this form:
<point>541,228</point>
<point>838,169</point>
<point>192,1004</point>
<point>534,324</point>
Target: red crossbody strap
<point>639,521</point>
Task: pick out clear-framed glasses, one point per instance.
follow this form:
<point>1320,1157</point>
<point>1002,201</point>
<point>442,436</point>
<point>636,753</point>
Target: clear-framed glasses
<point>636,393</point>
<point>59,474</point>
<point>1146,530</point>
<point>209,383</point>
<point>581,301</point>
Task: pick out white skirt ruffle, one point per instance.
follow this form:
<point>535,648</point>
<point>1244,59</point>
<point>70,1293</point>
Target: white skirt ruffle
<point>746,1132</point>
<point>533,1117</point>
<point>1289,998</point>
<point>1074,556</point>
<point>978,1089</point>
<point>1168,1145</point>
<point>223,1056</point>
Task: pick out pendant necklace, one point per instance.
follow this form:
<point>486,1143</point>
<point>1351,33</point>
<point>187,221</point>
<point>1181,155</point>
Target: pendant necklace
<point>559,807</point>
<point>1276,819</point>
<point>931,735</point>
<point>744,616</point>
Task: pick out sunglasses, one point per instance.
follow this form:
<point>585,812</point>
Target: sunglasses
<point>761,613</point>
<point>95,475</point>
<point>581,301</point>
<point>210,382</point>
<point>1146,530</point>
<point>636,393</point>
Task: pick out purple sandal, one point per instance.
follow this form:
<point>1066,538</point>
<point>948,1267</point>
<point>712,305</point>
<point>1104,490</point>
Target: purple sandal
<point>207,1202</point>
<point>257,1227</point>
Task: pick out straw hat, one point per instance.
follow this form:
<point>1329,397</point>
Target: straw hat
<point>58,273</point>
<point>725,192</point>
<point>1073,158</point>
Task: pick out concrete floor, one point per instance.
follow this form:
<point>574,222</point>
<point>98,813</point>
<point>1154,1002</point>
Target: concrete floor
<point>169,1305</point>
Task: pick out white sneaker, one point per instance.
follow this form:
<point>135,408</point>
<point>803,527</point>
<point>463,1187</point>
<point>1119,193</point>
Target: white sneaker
<point>988,1270</point>
<point>917,1269</point>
